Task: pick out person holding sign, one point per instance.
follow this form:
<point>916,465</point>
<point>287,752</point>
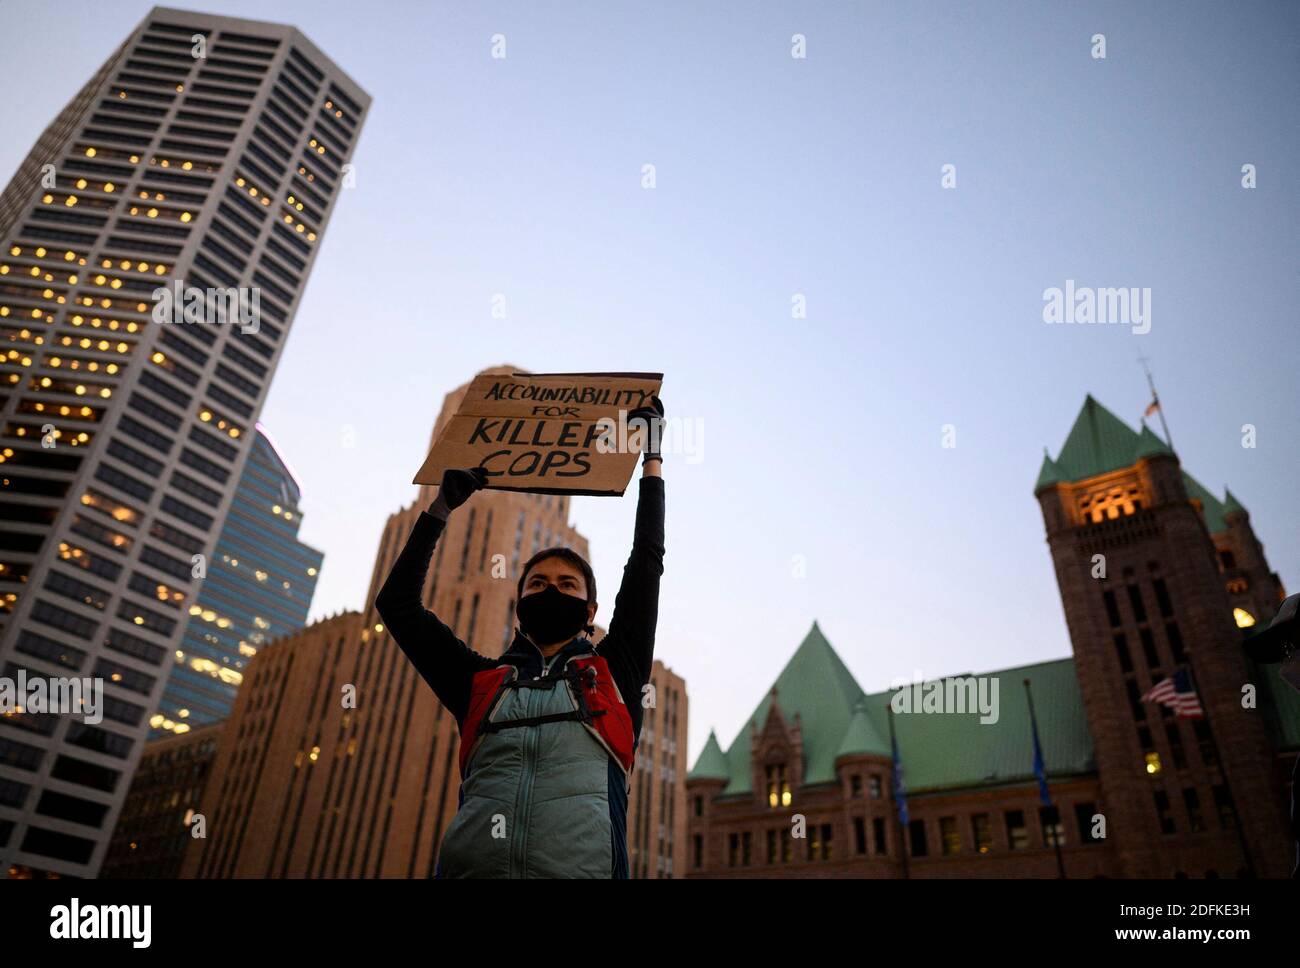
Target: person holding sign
<point>548,732</point>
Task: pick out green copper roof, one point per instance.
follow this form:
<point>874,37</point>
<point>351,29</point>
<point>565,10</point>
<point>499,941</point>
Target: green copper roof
<point>949,750</point>
<point>938,751</point>
<point>711,765</point>
<point>1048,474</point>
<point>956,750</point>
<point>1099,442</point>
<point>861,736</point>
<point>817,685</point>
<point>1230,503</point>
<point>1149,444</point>
<point>1210,505</point>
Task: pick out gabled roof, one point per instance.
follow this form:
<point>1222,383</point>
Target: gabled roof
<point>938,751</point>
<point>1099,442</point>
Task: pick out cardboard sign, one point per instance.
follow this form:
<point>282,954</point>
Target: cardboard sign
<point>549,433</point>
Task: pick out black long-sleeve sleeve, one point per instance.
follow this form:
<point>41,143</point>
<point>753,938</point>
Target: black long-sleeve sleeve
<point>629,645</point>
<point>445,662</point>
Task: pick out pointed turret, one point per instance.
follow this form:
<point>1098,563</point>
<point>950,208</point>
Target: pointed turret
<point>712,763</point>
<point>1231,505</point>
<point>1149,445</point>
<point>862,738</point>
<point>1048,474</point>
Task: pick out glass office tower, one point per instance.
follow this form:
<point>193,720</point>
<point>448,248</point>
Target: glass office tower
<point>258,587</point>
<point>206,152</point>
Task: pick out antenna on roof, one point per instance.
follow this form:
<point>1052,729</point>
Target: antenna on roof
<point>1154,405</point>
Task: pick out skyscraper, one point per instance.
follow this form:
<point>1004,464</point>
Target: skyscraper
<point>205,155</point>
<point>258,587</point>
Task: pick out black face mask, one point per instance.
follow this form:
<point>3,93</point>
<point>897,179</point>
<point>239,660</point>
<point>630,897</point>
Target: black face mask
<point>551,616</point>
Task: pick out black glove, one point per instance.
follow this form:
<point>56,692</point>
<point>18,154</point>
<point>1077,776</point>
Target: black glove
<point>652,418</point>
<point>457,487</point>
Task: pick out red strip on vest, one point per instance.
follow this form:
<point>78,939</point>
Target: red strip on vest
<point>613,730</point>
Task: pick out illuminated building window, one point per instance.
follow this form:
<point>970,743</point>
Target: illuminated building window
<point>1109,505</point>
<point>778,786</point>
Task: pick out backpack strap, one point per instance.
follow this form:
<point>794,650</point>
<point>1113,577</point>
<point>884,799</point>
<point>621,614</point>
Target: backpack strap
<point>583,713</point>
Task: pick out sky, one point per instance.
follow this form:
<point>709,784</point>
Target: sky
<point>821,438</point>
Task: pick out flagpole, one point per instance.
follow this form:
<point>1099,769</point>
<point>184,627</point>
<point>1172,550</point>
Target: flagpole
<point>1060,820</point>
<point>897,770</point>
<point>1223,770</point>
<point>1155,401</point>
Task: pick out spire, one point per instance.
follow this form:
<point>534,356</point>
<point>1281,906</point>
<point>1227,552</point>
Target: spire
<point>1231,505</point>
<point>712,763</point>
<point>1048,474</point>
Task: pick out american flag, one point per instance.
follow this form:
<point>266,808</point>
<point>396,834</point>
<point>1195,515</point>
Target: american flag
<point>1177,693</point>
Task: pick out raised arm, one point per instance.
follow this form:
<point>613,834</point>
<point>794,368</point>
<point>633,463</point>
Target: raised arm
<point>445,662</point>
<point>629,645</point>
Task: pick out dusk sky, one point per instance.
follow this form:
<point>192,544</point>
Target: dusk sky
<point>777,176</point>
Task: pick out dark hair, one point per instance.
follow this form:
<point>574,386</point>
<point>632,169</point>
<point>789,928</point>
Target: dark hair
<point>569,555</point>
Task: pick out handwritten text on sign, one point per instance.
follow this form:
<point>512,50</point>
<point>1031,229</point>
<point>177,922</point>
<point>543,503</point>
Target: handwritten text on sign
<point>546,432</point>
